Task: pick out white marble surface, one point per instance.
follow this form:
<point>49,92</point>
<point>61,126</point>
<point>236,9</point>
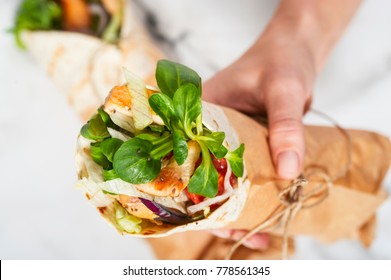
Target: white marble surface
<point>42,216</point>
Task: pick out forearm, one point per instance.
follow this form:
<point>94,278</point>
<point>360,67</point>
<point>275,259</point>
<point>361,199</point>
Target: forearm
<point>318,24</point>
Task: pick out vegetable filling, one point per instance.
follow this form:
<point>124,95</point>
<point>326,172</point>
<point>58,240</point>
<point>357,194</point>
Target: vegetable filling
<point>100,18</point>
<point>169,167</point>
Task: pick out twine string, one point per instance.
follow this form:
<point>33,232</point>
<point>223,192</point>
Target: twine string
<point>293,198</point>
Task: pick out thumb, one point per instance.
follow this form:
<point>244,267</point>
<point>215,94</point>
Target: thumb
<point>227,88</point>
<point>285,107</point>
<point>217,88</point>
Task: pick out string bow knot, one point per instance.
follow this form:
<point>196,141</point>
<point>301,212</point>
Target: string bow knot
<point>293,198</point>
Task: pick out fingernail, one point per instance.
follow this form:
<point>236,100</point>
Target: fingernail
<point>288,165</point>
<point>259,241</point>
<point>222,233</point>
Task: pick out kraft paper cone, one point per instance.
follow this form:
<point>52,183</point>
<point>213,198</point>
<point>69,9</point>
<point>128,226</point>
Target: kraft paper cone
<point>348,211</point>
<point>205,246</point>
<point>353,198</point>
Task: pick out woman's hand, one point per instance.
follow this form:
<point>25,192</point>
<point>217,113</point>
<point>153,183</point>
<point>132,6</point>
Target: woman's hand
<point>259,241</point>
<point>276,76</point>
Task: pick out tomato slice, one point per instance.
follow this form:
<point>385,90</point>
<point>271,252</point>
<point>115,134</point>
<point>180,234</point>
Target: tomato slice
<point>169,156</point>
<point>220,185</point>
<point>220,164</point>
<point>233,179</point>
<point>196,198</point>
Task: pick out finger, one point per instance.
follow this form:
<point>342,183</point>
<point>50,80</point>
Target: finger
<point>230,89</point>
<point>285,103</point>
<point>216,88</point>
<point>258,241</point>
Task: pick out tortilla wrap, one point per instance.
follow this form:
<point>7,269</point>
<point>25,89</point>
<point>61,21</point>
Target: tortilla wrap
<point>85,68</point>
<point>348,211</point>
<point>90,173</point>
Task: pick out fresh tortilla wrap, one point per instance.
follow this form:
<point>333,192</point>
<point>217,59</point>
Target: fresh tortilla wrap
<point>85,67</point>
<point>90,175</point>
<point>205,190</point>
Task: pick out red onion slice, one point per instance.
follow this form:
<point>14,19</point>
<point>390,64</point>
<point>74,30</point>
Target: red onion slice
<point>165,215</point>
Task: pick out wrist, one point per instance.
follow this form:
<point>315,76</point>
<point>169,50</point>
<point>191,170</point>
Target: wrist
<point>302,29</point>
<point>315,25</point>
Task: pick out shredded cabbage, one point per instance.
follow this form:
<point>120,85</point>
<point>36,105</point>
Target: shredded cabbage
<point>96,196</point>
<point>113,211</point>
<point>117,186</point>
<point>126,221</point>
<point>94,171</point>
<point>142,115</point>
<point>119,135</point>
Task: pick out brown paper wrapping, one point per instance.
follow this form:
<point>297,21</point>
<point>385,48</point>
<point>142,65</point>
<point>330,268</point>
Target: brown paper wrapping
<point>202,245</point>
<point>348,211</point>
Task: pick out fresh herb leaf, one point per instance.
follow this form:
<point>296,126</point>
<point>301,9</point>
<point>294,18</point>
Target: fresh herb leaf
<point>109,175</point>
<point>156,128</point>
<point>151,137</point>
<point>98,156</point>
<point>162,148</point>
<point>199,125</point>
<point>205,178</point>
<point>110,146</point>
<point>162,105</point>
<point>105,117</point>
<point>220,152</point>
<point>235,160</point>
<point>179,146</point>
<point>214,142</point>
<point>111,33</point>
<point>95,129</point>
<point>178,116</point>
<point>154,138</point>
<point>133,162</point>
<point>187,106</point>
<point>170,76</point>
<point>36,15</point>
<point>162,144</point>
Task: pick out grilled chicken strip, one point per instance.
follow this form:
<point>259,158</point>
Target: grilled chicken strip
<point>173,178</point>
<point>118,105</point>
<point>135,207</point>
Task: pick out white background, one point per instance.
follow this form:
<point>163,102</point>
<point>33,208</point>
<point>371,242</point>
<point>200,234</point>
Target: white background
<point>42,215</point>
<point>278,270</point>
